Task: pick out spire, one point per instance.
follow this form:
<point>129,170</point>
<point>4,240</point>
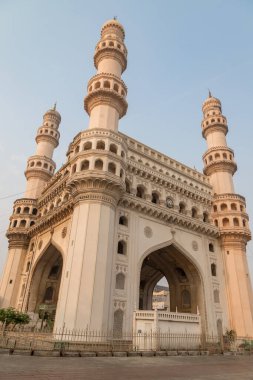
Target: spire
<point>209,94</point>
<point>55,106</point>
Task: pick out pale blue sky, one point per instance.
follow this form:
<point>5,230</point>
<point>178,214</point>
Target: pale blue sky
<point>177,50</point>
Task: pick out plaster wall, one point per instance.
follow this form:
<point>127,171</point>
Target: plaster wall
<point>104,116</point>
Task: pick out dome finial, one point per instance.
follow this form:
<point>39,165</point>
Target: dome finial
<point>55,106</point>
<point>114,17</point>
<point>209,93</point>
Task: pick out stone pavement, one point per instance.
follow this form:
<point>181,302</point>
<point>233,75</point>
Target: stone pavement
<point>135,368</point>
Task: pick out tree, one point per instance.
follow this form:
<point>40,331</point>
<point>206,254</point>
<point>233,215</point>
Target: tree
<point>10,316</point>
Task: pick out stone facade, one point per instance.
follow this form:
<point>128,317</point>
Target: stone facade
<point>90,242</point>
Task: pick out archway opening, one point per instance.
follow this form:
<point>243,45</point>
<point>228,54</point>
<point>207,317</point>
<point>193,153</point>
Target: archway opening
<point>184,282</point>
<point>45,284</point>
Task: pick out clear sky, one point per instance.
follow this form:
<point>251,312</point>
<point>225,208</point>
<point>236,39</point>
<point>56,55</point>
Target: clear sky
<point>177,50</point>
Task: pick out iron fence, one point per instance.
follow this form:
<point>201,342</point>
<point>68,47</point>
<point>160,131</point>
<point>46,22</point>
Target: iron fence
<point>97,341</point>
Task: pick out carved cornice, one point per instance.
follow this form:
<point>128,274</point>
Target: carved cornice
<point>97,183</point>
<point>168,215</point>
<point>51,218</point>
<point>235,234</point>
<point>220,165</point>
<point>107,97</point>
<point>110,52</point>
<point>215,127</point>
<point>17,238</point>
<point>47,138</point>
<point>36,172</point>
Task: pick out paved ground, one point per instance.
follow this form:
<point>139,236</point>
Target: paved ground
<point>137,368</point>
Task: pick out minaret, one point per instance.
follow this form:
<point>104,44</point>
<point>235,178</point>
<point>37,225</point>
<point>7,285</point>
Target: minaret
<point>230,216</point>
<point>105,102</point>
<point>97,159</point>
<point>41,167</point>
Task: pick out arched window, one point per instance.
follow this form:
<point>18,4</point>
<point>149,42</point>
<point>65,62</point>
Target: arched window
<point>121,174</point>
<point>181,274</point>
<point>216,222</point>
<point>38,163</point>
<point>49,294</point>
<point>211,247</point>
<point>120,281</point>
<point>122,247</point>
<point>22,290</point>
<point>18,210</point>
<point>194,212</point>
<point>111,43</point>
<point>127,186</point>
<point>85,165</point>
<point>154,197</point>
<point>181,208</point>
<point>123,220</point>
<point>244,223</point>
<point>22,223</point>
<point>77,149</point>
<point>241,208</point>
<point>210,158</point>
<point>74,169</point>
<point>223,207</point>
<point>107,84</point>
<point>217,155</point>
<point>87,145</point>
<point>45,166</point>
<point>112,168</point>
<point>113,148</point>
<point>225,222</point>
<point>122,154</point>
<point>225,156</point>
<point>140,192</point>
<point>32,223</point>
<point>15,223</point>
<point>53,274</point>
<point>118,323</point>
<point>215,208</point>
<point>216,296</point>
<point>116,87</point>
<point>233,206</point>
<point>100,145</point>
<point>186,299</point>
<point>34,212</point>
<point>213,269</point>
<point>97,85</point>
<point>27,266</point>
<point>205,217</point>
<point>99,164</point>
<point>236,222</point>
<point>26,210</point>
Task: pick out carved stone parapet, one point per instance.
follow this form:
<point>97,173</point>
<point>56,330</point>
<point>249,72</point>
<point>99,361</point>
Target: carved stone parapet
<point>105,96</point>
<point>47,137</point>
<point>40,167</point>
